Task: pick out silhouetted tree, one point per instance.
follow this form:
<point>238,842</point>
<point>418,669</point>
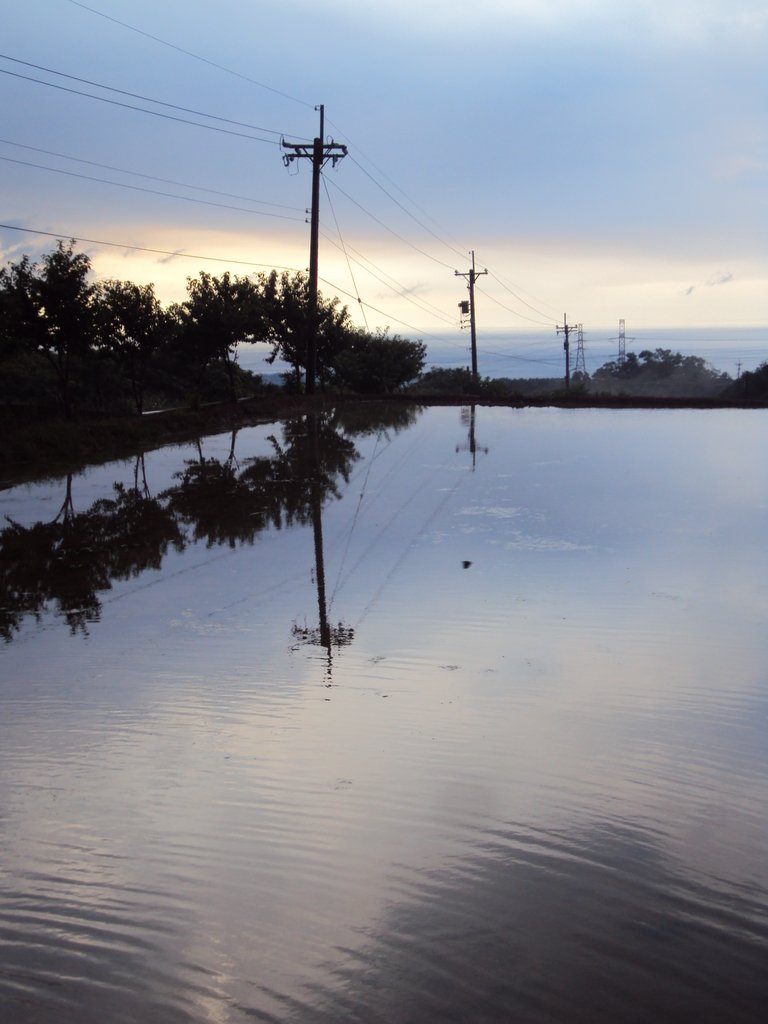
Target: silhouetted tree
<point>377,363</point>
<point>285,304</point>
<point>132,325</point>
<point>48,308</point>
<point>219,313</point>
<point>660,373</point>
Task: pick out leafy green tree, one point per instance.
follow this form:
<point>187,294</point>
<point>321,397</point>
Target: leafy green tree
<point>132,325</point>
<point>48,308</point>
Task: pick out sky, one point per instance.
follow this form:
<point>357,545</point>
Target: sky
<point>603,159</point>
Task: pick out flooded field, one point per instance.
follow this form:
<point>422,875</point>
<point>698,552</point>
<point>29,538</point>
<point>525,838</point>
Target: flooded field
<point>391,716</point>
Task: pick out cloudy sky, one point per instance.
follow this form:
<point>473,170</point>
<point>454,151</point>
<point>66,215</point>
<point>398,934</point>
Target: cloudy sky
<point>604,158</point>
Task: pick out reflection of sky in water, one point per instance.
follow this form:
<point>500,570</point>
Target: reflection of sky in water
<point>529,786</point>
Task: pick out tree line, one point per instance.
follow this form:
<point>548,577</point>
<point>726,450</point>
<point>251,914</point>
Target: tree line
<point>76,345</point>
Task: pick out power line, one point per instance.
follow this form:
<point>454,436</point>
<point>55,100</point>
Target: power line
<point>346,254</point>
<point>151,191</point>
<point>406,210</point>
<point>150,177</point>
<point>519,298</point>
<point>142,248</point>
<point>453,247</point>
<point>391,231</point>
<point>139,96</point>
<point>514,312</point>
<point>381,312</point>
<point>189,53</point>
<point>395,286</point>
<point>143,110</point>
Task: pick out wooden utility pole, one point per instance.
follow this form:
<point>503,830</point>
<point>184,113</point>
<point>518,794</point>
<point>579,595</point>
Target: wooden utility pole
<point>319,153</point>
<point>566,329</point>
<point>472,276</point>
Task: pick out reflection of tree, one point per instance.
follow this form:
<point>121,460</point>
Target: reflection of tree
<point>230,503</point>
<point>64,564</point>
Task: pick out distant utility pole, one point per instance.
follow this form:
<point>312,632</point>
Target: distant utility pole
<point>319,153</point>
<point>472,275</point>
<point>566,329</point>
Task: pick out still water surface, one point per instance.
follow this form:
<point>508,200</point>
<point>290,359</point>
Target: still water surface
<point>391,716</point>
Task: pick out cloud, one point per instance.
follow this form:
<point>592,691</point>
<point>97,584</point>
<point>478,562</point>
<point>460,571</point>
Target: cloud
<point>172,256</point>
<point>722,278</point>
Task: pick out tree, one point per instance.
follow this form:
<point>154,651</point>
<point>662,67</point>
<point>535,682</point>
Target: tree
<point>133,325</point>
<point>661,373</point>
<point>377,363</point>
<point>48,308</point>
<point>285,299</point>
<point>219,313</point>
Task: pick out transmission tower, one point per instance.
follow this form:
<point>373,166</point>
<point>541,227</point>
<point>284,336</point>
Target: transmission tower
<point>580,367</point>
<point>622,340</point>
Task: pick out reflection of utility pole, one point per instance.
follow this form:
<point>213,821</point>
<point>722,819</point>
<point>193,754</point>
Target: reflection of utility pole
<point>319,153</point>
<point>325,635</point>
<point>472,276</point>
<point>468,419</point>
<point>566,329</point>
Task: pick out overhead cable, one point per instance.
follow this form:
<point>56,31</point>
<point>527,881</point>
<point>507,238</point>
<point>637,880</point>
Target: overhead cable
<point>143,248</point>
<point>189,53</point>
<point>397,202</point>
<point>514,312</point>
<point>519,298</point>
<point>143,110</point>
<point>152,191</point>
<point>151,177</point>
<point>346,254</point>
<point>400,290</point>
<point>139,96</point>
<point>381,312</point>
<point>391,231</point>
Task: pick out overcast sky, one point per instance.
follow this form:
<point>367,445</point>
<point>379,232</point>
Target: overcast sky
<point>604,158</point>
